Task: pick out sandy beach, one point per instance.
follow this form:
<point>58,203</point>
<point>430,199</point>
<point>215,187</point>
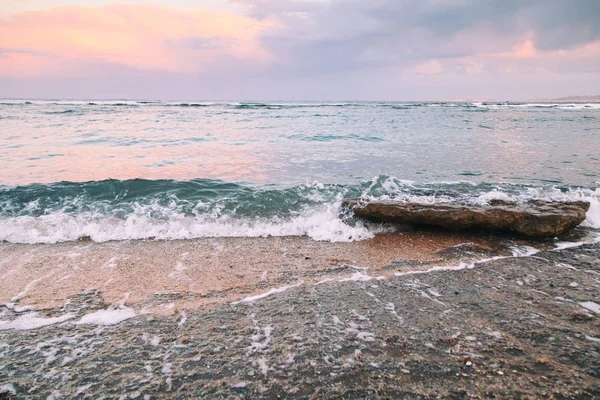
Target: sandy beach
<point>208,270</point>
<point>412,315</point>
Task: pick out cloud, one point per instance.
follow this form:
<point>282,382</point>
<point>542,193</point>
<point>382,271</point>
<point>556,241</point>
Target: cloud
<point>138,36</point>
<point>212,42</point>
<point>356,34</point>
<point>432,67</point>
<point>306,49</point>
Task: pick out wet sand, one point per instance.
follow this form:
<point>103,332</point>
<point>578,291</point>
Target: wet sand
<point>515,327</point>
<point>207,271</point>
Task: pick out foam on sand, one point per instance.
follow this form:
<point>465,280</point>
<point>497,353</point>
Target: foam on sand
<point>567,245</point>
<point>356,277</point>
<point>107,317</point>
<point>269,293</point>
<point>32,321</point>
<point>459,267</point>
<point>523,251</point>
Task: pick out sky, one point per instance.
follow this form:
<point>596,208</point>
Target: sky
<point>270,50</point>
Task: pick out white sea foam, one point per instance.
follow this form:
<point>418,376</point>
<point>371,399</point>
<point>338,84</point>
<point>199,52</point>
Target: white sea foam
<point>579,106</point>
<point>357,277</point>
<point>32,321</point>
<point>107,317</point>
<point>517,252</point>
<point>523,251</point>
<point>19,309</point>
<point>266,294</point>
<point>486,197</point>
<point>319,223</point>
<point>323,221</point>
<point>592,216</point>
<point>28,287</point>
<point>69,102</point>
<point>462,265</point>
<point>592,196</point>
<point>567,245</point>
<point>564,106</point>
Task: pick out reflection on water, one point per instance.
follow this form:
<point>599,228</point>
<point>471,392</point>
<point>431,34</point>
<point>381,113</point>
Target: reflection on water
<point>290,143</point>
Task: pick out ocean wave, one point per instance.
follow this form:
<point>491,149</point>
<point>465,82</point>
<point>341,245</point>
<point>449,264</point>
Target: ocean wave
<point>74,102</point>
<point>186,104</point>
<point>230,105</point>
<point>329,138</point>
<point>60,112</point>
<point>321,223</point>
<point>561,106</point>
<point>469,106</point>
<point>167,209</point>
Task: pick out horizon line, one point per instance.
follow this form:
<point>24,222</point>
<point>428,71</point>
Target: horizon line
<point>570,99</point>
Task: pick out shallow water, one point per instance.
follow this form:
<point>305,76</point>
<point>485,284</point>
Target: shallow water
<point>128,170</point>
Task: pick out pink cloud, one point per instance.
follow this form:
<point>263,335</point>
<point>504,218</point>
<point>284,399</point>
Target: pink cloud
<point>139,36</point>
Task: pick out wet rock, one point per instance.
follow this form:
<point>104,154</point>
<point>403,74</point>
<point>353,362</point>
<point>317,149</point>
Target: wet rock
<point>533,219</point>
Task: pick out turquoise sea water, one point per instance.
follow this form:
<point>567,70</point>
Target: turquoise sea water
<point>116,170</point>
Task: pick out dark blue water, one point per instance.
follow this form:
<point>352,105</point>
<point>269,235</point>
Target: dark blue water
<point>126,169</point>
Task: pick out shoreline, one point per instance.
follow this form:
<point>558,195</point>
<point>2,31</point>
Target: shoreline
<point>211,270</point>
<point>517,324</point>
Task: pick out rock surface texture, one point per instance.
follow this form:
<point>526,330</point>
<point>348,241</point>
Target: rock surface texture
<point>533,219</point>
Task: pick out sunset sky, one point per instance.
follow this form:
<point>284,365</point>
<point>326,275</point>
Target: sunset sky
<point>299,49</point>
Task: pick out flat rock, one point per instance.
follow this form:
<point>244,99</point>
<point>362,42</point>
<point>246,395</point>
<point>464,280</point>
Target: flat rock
<point>533,219</point>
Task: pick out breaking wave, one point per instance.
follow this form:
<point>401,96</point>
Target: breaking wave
<point>167,209</point>
<point>292,105</point>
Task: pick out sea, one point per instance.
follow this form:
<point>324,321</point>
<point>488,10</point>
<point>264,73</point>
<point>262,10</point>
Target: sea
<point>122,169</point>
